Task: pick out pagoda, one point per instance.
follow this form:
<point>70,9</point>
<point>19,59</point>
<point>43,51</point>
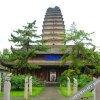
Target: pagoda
<point>53,27</point>
<point>53,32</point>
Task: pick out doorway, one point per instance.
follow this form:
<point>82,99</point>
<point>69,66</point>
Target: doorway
<point>53,76</point>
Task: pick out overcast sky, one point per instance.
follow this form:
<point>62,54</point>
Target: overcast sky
<point>16,13</point>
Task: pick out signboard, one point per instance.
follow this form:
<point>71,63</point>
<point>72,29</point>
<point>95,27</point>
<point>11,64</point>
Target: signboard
<point>52,57</point>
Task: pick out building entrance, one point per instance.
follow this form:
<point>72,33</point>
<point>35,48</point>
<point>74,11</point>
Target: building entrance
<point>53,76</point>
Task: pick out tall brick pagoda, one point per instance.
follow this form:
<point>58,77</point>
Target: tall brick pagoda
<point>53,31</point>
<point>53,27</point>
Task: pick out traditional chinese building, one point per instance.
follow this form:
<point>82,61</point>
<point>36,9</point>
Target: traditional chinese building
<point>53,29</point>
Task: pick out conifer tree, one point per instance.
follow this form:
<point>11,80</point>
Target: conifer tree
<point>82,55</point>
<point>27,43</point>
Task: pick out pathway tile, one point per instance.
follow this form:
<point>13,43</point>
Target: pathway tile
<point>51,93</point>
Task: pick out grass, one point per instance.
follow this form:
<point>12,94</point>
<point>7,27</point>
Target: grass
<point>64,92</point>
<point>35,92</point>
<point>88,94</point>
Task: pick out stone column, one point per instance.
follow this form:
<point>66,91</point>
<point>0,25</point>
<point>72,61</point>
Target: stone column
<point>0,81</point>
<point>30,86</point>
<point>94,91</point>
<point>75,85</point>
<point>97,91</point>
<point>26,89</point>
<point>68,86</point>
<point>7,87</point>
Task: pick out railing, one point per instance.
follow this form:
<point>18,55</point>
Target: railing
<point>87,88</point>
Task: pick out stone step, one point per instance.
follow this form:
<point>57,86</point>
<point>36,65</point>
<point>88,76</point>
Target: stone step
<point>52,84</point>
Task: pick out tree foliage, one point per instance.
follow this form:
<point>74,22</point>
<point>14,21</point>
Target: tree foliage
<point>27,44</point>
<point>5,54</point>
<point>18,81</point>
<point>82,53</point>
<point>83,80</point>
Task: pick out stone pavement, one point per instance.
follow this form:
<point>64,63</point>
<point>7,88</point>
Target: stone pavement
<point>50,93</point>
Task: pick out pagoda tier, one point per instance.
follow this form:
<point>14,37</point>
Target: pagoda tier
<point>53,27</point>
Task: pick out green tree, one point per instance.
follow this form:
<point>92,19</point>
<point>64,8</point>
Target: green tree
<point>27,43</point>
<point>5,58</point>
<point>82,53</point>
<point>5,54</point>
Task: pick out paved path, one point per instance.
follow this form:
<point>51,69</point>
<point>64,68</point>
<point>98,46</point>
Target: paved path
<point>50,93</point>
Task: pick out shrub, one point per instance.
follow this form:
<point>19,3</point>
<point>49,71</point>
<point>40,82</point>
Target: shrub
<point>83,80</point>
<point>62,80</point>
<point>18,82</point>
<point>67,73</point>
<point>36,82</point>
